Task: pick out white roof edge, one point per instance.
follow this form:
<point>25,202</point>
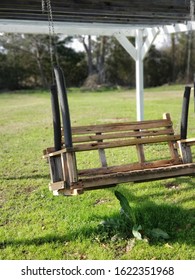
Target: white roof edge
<point>66,28</point>
<point>72,28</point>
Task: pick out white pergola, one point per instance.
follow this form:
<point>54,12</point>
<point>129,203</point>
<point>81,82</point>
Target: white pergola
<point>145,35</point>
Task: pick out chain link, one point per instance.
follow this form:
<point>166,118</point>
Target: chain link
<point>192,4</point>
<point>46,6</point>
<point>43,6</point>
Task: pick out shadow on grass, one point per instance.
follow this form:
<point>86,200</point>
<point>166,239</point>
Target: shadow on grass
<point>50,238</point>
<point>25,177</point>
<point>179,223</point>
<point>174,184</point>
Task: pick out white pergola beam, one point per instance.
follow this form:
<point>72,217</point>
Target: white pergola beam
<point>177,28</point>
<point>66,28</point>
<point>152,34</point>
<point>127,45</point>
<point>72,28</point>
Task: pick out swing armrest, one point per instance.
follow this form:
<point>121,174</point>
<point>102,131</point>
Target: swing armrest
<point>188,141</point>
<point>50,152</point>
<point>185,149</point>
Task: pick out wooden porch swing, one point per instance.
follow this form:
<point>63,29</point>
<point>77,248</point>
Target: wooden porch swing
<point>67,179</point>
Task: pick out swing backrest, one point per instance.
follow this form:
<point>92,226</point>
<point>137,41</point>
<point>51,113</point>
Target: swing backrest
<point>116,135</point>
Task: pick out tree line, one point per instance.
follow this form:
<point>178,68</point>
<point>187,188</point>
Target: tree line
<point>26,61</point>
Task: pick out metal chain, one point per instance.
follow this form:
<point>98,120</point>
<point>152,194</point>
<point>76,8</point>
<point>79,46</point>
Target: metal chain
<point>43,6</point>
<point>52,43</point>
<point>192,5</point>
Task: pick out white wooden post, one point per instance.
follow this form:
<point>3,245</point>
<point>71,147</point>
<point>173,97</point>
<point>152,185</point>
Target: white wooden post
<point>138,53</point>
<point>139,75</point>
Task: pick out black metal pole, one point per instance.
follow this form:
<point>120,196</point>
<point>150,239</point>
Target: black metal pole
<point>60,82</point>
<point>56,117</point>
<point>185,109</point>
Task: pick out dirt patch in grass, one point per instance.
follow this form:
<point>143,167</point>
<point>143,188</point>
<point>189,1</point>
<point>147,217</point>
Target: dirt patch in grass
<point>171,185</point>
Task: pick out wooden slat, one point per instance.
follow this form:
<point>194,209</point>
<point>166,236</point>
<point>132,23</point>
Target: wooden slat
<point>57,185</point>
<point>185,152</point>
<point>50,152</point>
<point>102,154</point>
<point>140,151</point>
<point>64,167</point>
<point>172,147</point>
<point>123,143</point>
<point>126,167</point>
<point>189,141</point>
<point>72,167</point>
<point>56,171</point>
<point>114,127</point>
<point>100,137</point>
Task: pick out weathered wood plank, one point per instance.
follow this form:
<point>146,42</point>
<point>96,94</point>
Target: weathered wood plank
<point>102,154</point>
<point>140,153</point>
<point>64,167</point>
<point>172,147</point>
<point>51,152</point>
<point>72,167</point>
<point>57,186</point>
<point>115,144</point>
<point>56,171</point>
<point>116,135</point>
<point>189,141</point>
<point>185,152</point>
<point>123,143</point>
<point>114,127</point>
<point>137,176</point>
<point>140,149</point>
<point>126,167</point>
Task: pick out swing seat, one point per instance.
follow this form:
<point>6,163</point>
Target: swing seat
<point>68,179</point>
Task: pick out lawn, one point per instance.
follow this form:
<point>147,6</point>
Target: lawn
<point>34,224</point>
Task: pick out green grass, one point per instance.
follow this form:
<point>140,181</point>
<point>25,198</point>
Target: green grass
<point>34,224</point>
